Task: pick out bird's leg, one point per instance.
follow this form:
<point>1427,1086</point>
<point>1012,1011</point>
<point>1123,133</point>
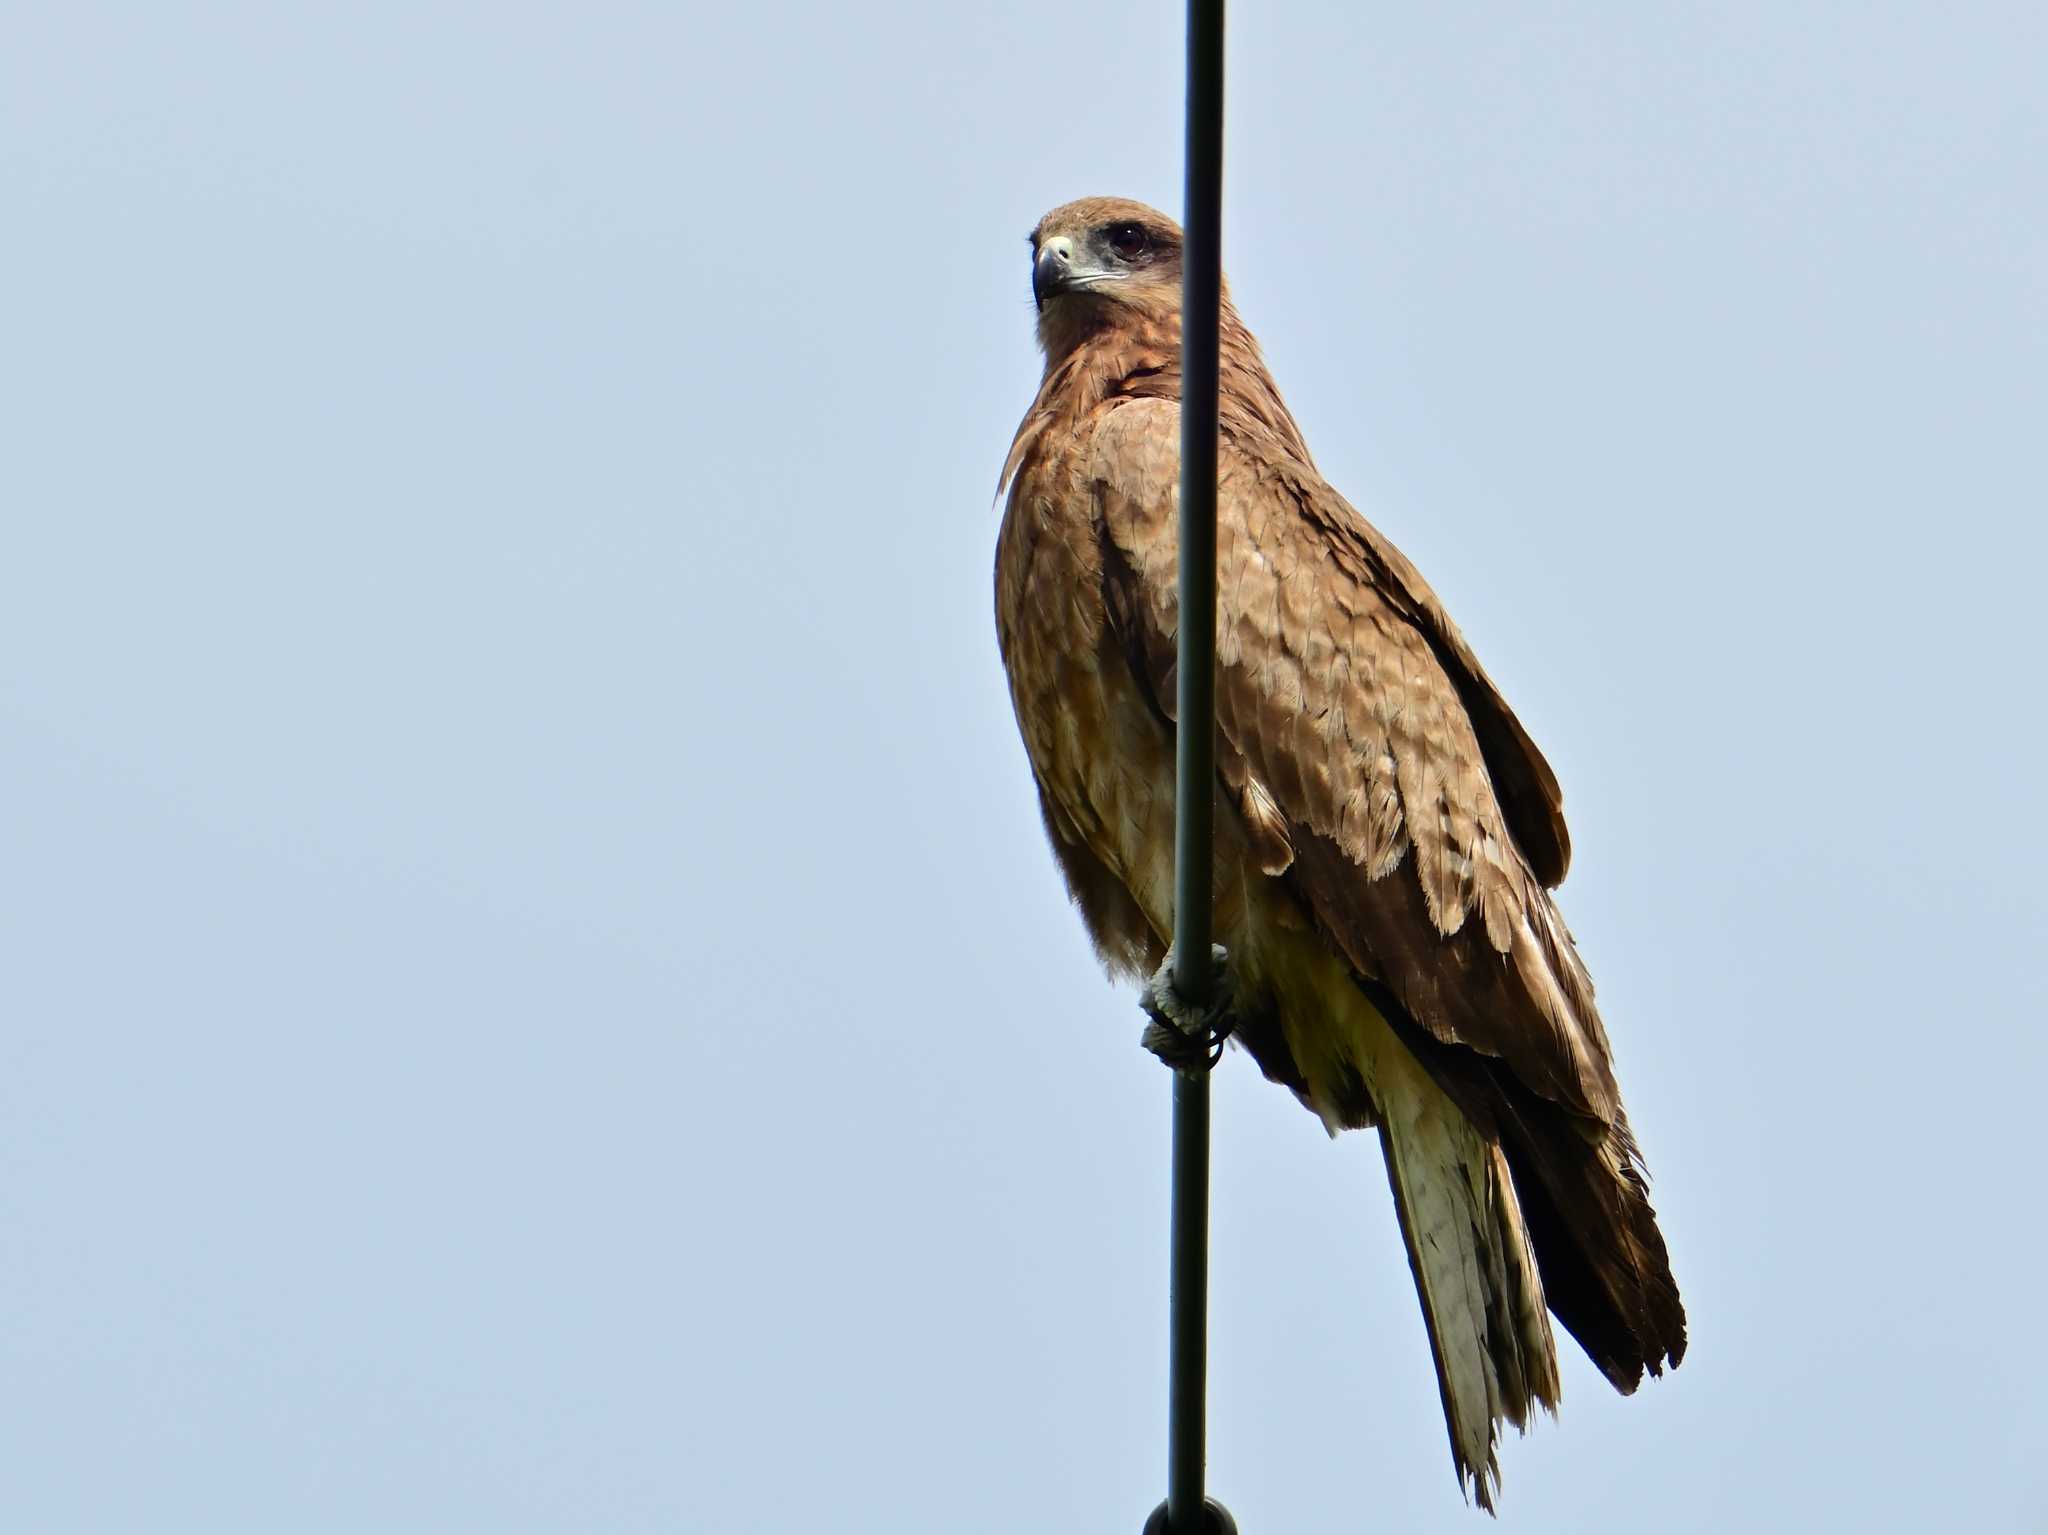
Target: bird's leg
<point>1186,1037</point>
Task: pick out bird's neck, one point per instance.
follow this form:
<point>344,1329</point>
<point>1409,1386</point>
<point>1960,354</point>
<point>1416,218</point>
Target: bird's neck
<point>1136,355</point>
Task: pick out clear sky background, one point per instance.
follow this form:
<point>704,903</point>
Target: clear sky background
<point>532,997</point>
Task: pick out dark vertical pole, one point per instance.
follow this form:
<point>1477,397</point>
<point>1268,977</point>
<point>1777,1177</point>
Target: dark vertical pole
<point>1194,831</point>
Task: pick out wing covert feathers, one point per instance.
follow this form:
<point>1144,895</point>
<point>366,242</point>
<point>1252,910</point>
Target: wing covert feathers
<point>1342,711</point>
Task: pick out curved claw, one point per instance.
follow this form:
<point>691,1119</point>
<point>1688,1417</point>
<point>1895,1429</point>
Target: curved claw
<point>1184,1036</point>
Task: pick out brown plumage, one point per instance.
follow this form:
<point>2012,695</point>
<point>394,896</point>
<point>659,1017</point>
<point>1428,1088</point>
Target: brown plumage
<point>1387,833</point>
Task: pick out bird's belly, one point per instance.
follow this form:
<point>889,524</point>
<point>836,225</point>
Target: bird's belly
<point>1107,765</point>
<point>1101,751</point>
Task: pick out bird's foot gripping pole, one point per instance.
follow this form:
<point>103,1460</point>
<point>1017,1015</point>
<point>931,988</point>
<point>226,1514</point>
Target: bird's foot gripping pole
<point>1187,1037</point>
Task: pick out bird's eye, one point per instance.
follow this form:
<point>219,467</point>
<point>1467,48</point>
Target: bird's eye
<point>1129,240</point>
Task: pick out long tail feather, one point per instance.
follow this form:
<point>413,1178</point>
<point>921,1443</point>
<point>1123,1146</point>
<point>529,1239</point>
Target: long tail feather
<point>1476,1276</point>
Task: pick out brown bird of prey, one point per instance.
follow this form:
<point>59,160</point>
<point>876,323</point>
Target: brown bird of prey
<point>1387,834</point>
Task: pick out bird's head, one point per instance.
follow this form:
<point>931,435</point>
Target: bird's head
<point>1101,261</point>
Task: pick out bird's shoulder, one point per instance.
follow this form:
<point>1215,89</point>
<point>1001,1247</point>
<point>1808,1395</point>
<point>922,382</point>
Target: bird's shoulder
<point>1290,544</point>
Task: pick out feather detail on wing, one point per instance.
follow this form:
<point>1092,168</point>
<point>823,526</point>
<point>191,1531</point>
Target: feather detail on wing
<point>1383,778</point>
<point>1338,701</point>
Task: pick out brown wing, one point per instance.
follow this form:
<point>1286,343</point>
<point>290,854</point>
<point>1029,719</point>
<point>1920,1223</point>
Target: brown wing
<point>1340,704</point>
<point>1424,828</point>
<point>1527,789</point>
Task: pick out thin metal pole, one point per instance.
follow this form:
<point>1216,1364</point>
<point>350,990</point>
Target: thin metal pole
<point>1194,828</point>
<point>1188,1374</point>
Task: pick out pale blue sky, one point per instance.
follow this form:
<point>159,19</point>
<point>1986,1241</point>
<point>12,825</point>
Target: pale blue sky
<point>532,997</point>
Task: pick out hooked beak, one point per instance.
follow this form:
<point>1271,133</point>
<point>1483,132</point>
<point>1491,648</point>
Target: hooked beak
<point>1058,269</point>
